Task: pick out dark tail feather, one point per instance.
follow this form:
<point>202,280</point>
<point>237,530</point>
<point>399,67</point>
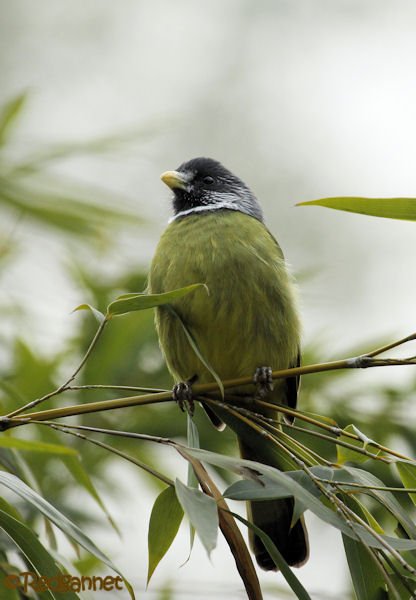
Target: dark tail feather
<point>274,518</point>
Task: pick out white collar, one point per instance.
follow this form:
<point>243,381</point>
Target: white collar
<point>201,208</point>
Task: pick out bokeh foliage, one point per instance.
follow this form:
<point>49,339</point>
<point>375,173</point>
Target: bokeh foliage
<point>128,355</point>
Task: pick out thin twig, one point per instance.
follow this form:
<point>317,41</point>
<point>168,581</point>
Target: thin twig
<point>64,386</point>
<point>359,362</point>
<point>382,349</point>
<point>335,430</point>
<point>127,388</point>
<point>135,461</point>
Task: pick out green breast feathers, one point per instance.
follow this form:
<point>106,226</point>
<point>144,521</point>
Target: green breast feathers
<point>248,316</point>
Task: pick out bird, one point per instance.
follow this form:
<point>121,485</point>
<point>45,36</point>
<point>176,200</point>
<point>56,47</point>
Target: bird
<point>245,322</point>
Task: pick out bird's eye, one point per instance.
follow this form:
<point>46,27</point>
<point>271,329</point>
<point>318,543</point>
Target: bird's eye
<point>208,180</point>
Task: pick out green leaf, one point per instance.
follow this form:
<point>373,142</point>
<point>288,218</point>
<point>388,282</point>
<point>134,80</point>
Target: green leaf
<point>74,212</point>
<point>366,577</point>
<point>132,302</point>
<point>9,114</point>
<point>202,512</point>
<point>35,446</point>
<point>391,208</point>
<point>387,499</point>
<point>349,455</point>
<point>6,579</point>
<point>264,488</point>
<point>97,314</point>
<point>61,521</point>
<point>308,499</point>
<point>38,557</point>
<point>278,559</point>
<point>407,472</point>
<point>164,523</point>
<point>193,442</point>
<point>259,489</point>
<point>76,468</point>
<point>372,521</point>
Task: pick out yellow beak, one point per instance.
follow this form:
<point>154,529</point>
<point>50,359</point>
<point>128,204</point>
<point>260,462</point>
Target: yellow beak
<point>175,179</point>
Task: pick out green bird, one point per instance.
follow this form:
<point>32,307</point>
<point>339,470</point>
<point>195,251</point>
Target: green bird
<point>246,322</point>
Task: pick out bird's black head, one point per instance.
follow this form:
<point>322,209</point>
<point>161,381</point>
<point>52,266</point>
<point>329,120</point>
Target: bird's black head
<point>203,184</point>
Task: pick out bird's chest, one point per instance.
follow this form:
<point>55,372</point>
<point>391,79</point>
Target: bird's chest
<point>240,315</point>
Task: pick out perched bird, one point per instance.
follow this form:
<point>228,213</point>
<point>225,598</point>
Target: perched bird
<point>246,324</point>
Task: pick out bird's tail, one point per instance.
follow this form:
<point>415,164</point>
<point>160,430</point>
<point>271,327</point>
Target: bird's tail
<point>274,517</point>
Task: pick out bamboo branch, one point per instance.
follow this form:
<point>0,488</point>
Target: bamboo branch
<point>229,529</point>
<point>352,363</point>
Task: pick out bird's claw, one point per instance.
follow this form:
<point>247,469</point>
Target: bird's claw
<point>182,394</point>
<point>264,381</point>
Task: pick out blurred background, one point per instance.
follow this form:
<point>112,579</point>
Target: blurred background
<point>302,100</point>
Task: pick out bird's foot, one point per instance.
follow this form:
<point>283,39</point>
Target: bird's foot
<point>182,394</point>
<point>264,381</point>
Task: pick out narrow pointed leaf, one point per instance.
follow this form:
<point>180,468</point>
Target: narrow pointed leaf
<point>60,520</point>
<point>164,523</point>
<point>372,521</point>
<point>193,442</point>
<point>133,302</point>
<point>36,446</point>
<point>367,579</point>
<point>387,499</point>
<point>38,557</point>
<point>407,472</point>
<point>278,559</point>
<point>261,489</point>
<point>391,208</point>
<point>353,530</point>
<point>9,114</point>
<point>81,476</point>
<point>97,314</point>
<point>202,512</point>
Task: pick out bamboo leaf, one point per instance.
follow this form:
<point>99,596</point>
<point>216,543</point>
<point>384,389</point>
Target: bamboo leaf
<point>97,314</point>
<point>371,520</point>
<point>407,472</point>
<point>38,557</point>
<point>164,523</point>
<point>391,208</point>
<point>260,489</point>
<point>202,512</point>
<point>132,302</point>
<point>9,114</point>
<point>81,476</point>
<point>278,559</point>
<point>387,499</point>
<point>193,442</point>
<point>367,579</point>
<point>36,446</point>
<point>354,530</point>
<point>60,520</point>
